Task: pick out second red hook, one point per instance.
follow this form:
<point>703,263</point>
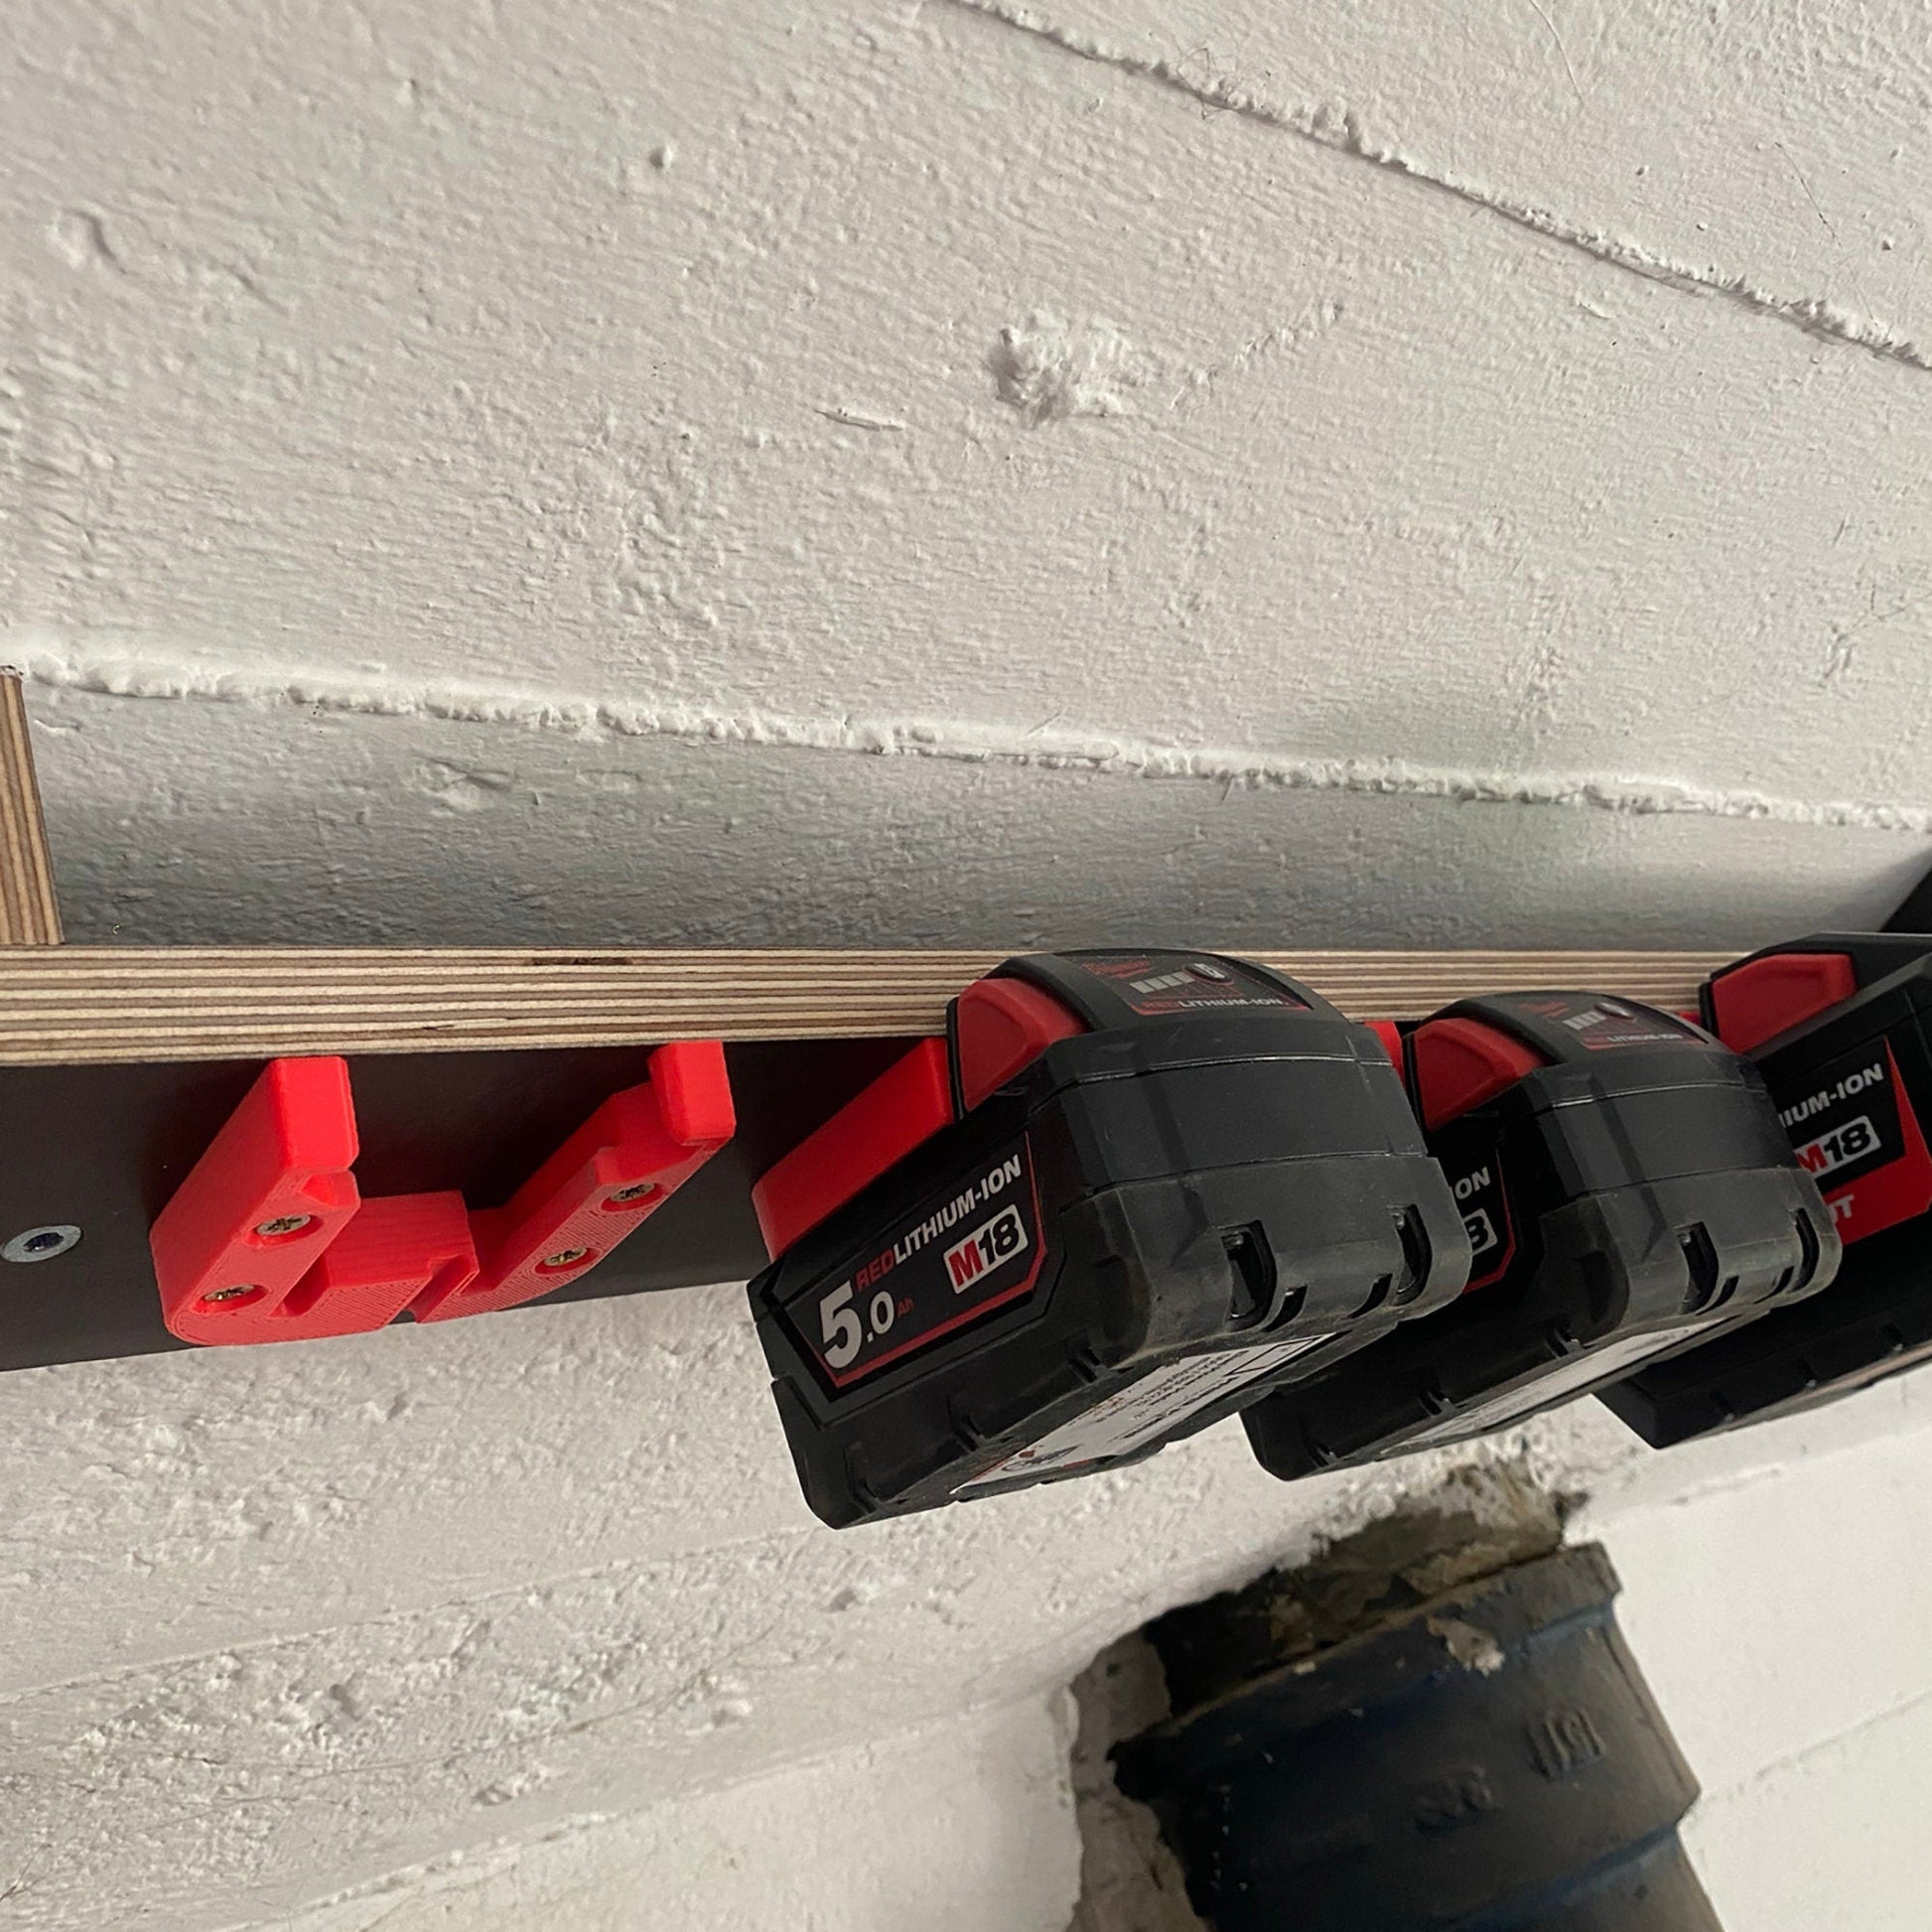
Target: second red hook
<point>269,1239</point>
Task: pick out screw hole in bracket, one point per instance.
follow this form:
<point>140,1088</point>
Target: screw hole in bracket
<point>41,1244</point>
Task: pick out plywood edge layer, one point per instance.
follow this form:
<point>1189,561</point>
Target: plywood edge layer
<point>29,914</point>
<point>78,1006</point>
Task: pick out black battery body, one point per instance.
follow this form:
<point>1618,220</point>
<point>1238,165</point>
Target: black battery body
<point>1873,1322</point>
<point>1627,1186</point>
<point>1208,1180</point>
<point>1838,1024</point>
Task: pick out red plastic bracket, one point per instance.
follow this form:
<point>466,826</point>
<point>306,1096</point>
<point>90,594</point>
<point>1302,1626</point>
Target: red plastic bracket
<point>269,1240</point>
<point>259,1208</point>
<point>909,1103</point>
<point>616,1172</point>
<point>999,1028</point>
<point>1389,1033</point>
<point>400,1248</point>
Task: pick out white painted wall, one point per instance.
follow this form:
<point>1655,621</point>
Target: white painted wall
<point>525,463</point>
<point>868,473</point>
<point>521,1624</point>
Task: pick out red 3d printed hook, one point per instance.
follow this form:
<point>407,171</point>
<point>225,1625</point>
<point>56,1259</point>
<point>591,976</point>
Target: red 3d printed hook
<point>259,1208</point>
<point>616,1170</point>
<point>268,1239</point>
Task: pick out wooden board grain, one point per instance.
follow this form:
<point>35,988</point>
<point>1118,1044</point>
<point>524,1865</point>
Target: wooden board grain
<point>29,914</point>
<point>92,1005</point>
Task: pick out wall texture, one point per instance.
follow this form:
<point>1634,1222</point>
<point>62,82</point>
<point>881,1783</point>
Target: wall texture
<point>871,472</point>
<point>521,1624</point>
<point>668,473</point>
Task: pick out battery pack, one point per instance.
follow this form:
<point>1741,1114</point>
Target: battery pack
<point>1129,1191</point>
<point>1837,1025</point>
<point>1626,1187</point>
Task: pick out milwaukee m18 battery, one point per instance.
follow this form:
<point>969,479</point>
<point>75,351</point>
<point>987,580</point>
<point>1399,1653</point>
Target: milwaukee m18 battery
<point>1125,1193</point>
<point>1837,1024</point>
<point>1626,1187</point>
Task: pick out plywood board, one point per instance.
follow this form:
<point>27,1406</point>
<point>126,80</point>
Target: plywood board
<point>29,915</point>
<point>91,1006</point>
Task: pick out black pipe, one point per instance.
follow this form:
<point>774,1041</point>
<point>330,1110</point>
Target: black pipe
<point>1489,1760</point>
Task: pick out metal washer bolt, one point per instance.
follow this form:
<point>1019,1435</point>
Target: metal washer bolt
<point>42,1244</point>
<point>286,1224</point>
<point>642,1190</point>
<point>564,1257</point>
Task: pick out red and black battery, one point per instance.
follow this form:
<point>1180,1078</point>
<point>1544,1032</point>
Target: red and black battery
<point>1127,1192</point>
<point>1837,1024</point>
<point>1626,1187</point>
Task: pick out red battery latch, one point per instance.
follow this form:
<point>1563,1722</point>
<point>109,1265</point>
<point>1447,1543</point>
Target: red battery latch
<point>1458,1063</point>
<point>1768,996</point>
<point>268,1239</point>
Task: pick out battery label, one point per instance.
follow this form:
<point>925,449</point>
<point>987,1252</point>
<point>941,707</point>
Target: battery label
<point>1135,1416</point>
<point>1466,1152</point>
<point>1839,1148</point>
<point>1585,1371</point>
<point>1855,1134</point>
<point>1003,1238</point>
<point>946,1263</point>
<point>1158,984</point>
<point>1599,1023</point>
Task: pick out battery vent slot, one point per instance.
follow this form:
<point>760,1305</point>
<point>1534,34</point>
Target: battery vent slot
<point>1417,1254</point>
<point>1705,1292</point>
<point>1252,1261</point>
